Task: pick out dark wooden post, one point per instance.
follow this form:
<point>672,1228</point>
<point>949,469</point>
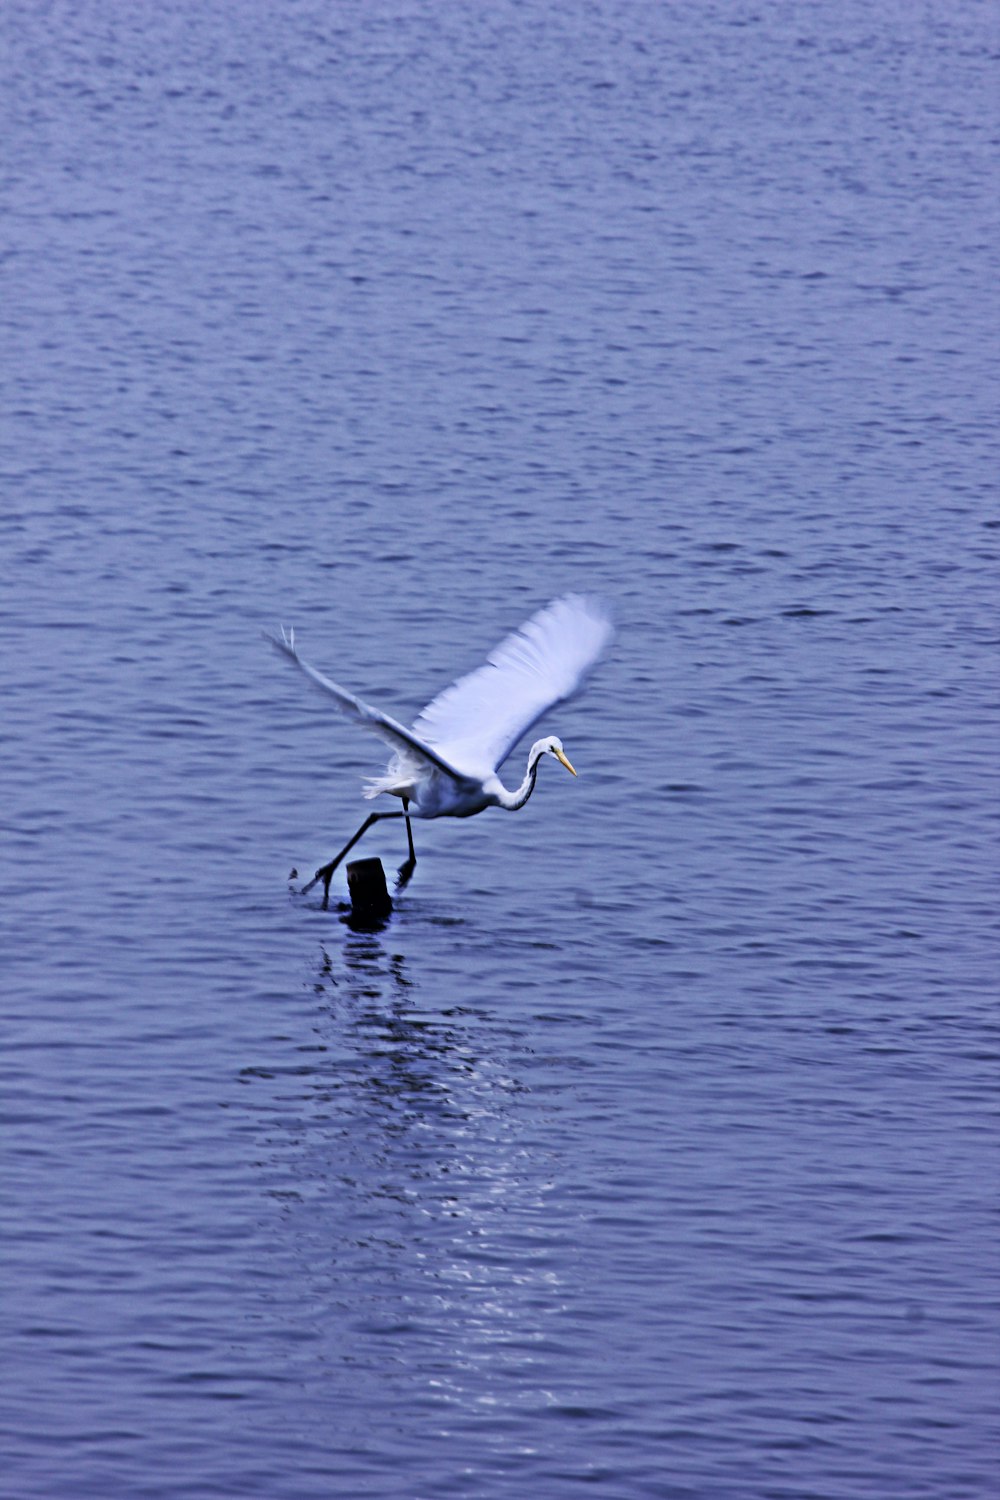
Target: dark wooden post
<point>370,899</point>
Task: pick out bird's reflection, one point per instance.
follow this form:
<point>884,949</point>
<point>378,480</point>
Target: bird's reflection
<point>418,1201</point>
<point>409,1056</point>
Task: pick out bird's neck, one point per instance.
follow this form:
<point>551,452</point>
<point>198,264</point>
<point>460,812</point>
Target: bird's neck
<point>513,800</point>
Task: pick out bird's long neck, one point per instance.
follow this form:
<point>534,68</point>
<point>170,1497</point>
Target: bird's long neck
<point>513,800</point>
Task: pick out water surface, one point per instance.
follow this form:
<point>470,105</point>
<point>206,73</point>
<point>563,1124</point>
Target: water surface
<point>649,1151</point>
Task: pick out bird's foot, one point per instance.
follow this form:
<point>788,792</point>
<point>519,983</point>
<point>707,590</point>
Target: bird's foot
<point>403,874</point>
<point>324,873</point>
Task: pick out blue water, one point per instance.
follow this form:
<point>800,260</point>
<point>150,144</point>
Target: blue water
<point>651,1149</point>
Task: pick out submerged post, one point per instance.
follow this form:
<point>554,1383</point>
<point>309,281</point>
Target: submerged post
<point>370,899</point>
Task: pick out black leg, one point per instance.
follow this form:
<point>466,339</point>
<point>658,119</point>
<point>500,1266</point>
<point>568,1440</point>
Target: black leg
<point>325,872</point>
<point>406,869</point>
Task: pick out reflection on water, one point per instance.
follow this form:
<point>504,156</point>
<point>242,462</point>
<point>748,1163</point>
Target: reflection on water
<point>405,1178</point>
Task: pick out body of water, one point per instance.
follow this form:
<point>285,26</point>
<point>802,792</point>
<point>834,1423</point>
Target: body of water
<point>650,1150</point>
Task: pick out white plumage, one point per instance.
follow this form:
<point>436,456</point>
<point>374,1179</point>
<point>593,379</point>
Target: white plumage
<point>446,765</point>
<point>476,722</point>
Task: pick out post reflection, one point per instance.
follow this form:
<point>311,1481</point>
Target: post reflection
<point>419,1218</point>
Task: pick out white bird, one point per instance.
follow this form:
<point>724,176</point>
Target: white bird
<point>446,765</point>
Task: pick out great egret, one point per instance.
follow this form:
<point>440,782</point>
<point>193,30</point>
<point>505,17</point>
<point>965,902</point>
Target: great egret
<point>446,765</point>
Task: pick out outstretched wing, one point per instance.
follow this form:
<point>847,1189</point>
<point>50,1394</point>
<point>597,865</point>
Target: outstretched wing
<point>405,742</point>
<point>475,723</point>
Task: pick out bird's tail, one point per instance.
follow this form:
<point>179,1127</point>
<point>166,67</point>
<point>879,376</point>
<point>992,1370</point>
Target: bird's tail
<point>375,785</point>
<point>398,777</point>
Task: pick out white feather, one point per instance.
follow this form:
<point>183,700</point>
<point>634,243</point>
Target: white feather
<point>476,722</point>
<point>445,766</point>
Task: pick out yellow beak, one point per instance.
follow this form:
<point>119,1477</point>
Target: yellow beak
<point>561,757</point>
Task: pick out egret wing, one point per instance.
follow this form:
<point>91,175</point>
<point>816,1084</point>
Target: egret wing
<point>476,722</point>
<point>405,742</point>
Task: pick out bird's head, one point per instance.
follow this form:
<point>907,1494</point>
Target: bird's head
<point>552,746</point>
